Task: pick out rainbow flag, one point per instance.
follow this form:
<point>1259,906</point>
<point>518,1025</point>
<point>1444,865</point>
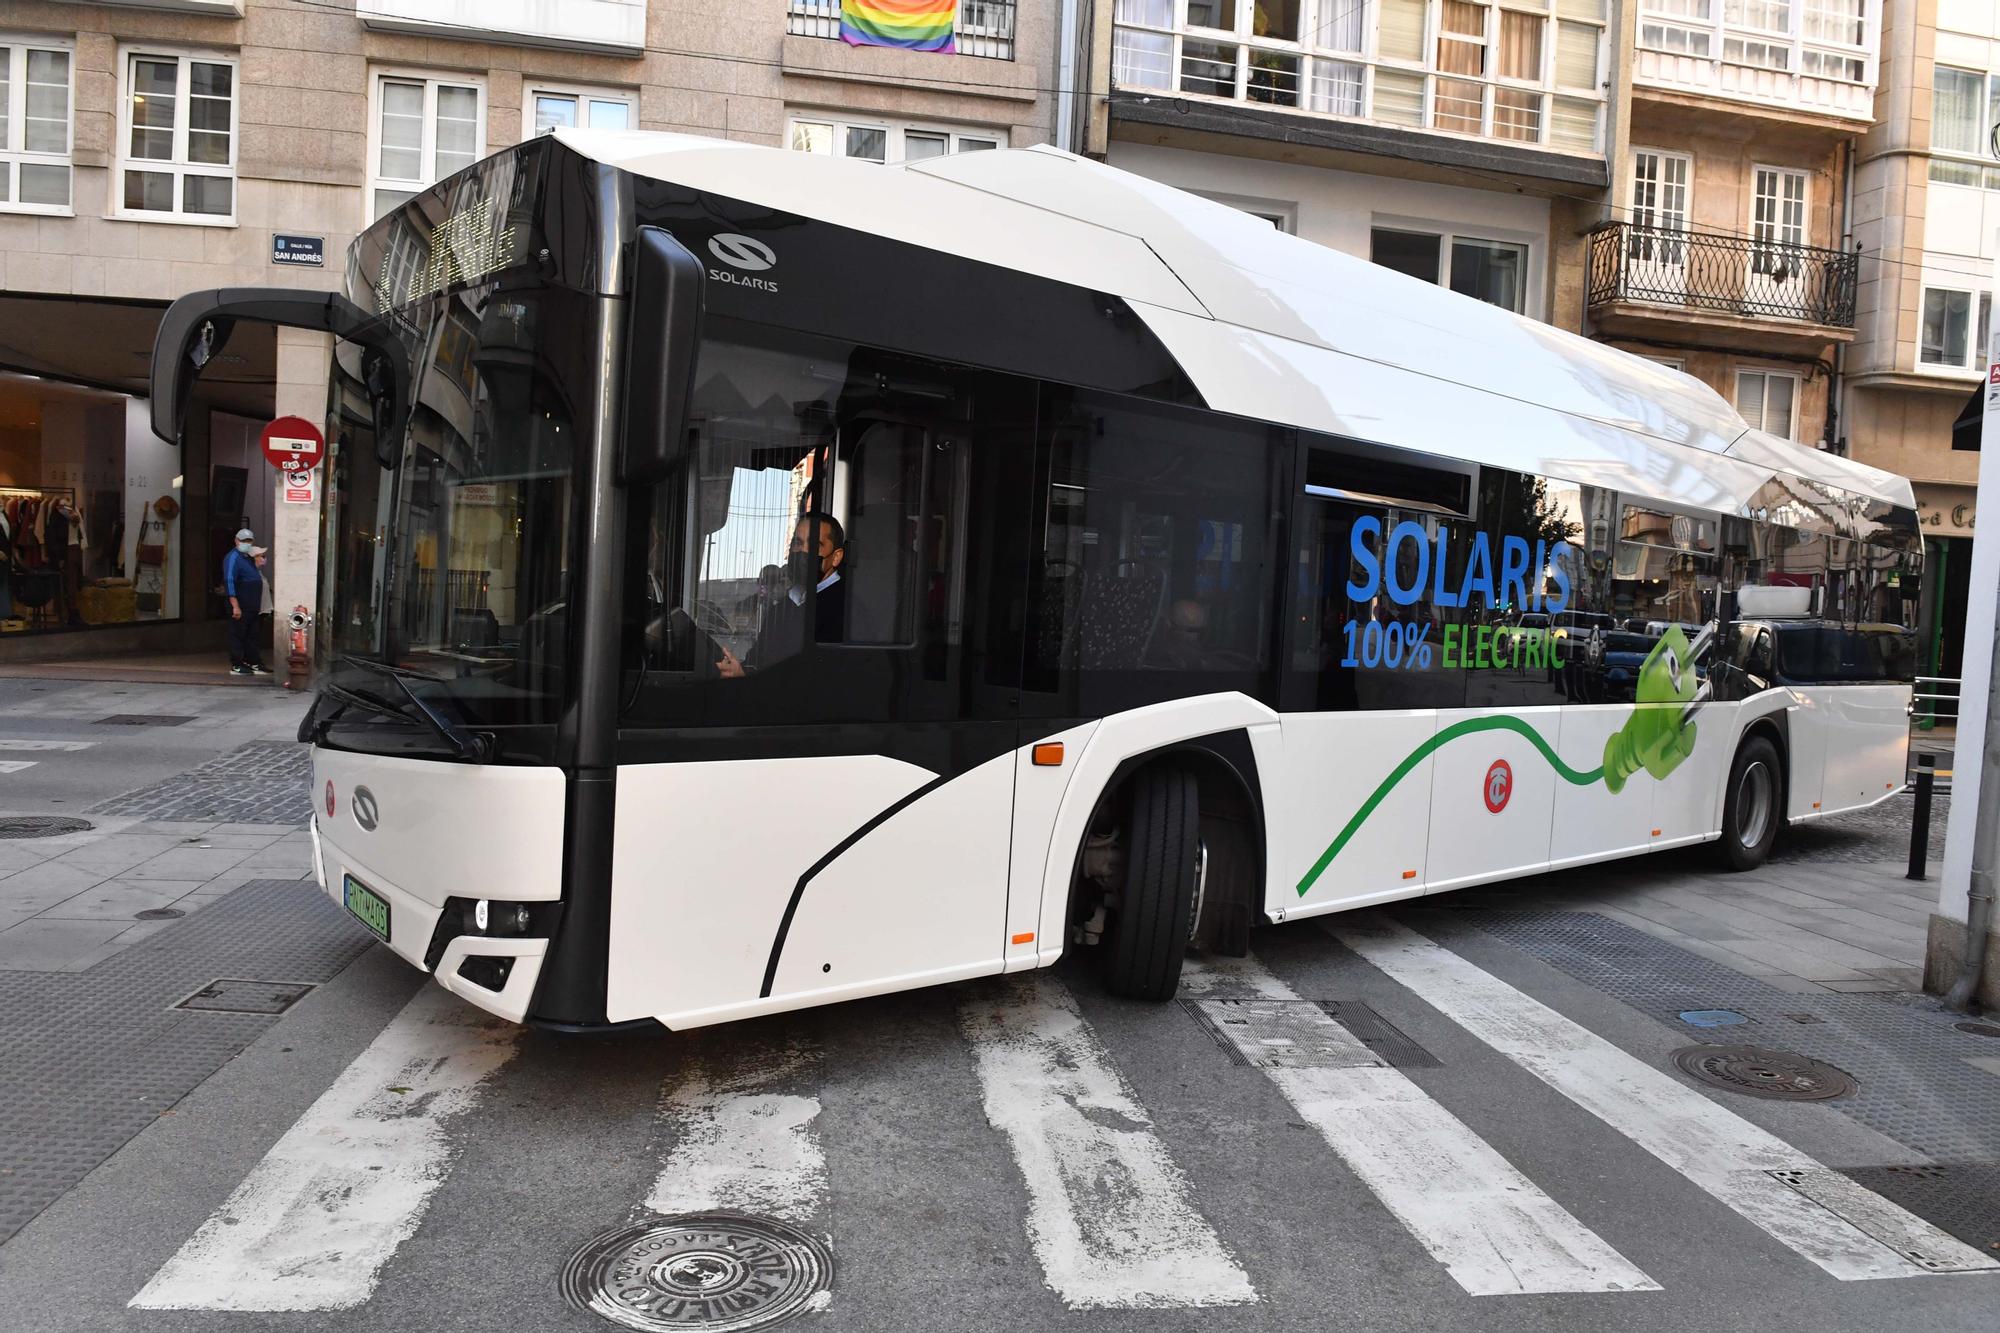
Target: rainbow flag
<point>914,25</point>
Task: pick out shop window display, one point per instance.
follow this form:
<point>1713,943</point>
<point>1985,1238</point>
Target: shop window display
<point>89,510</point>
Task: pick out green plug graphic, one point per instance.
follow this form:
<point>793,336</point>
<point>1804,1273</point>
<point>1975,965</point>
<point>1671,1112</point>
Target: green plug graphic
<point>1659,733</point>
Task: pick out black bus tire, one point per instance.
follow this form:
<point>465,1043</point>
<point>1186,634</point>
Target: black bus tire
<point>1752,805</point>
<point>1149,927</point>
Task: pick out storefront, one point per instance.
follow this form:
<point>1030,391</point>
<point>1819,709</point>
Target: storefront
<point>111,539</point>
<point>1946,515</point>
<point>90,511</point>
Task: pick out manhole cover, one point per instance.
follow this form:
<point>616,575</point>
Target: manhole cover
<point>142,720</point>
<point>1978,1029</point>
<point>1765,1073</point>
<point>710,1271</point>
<point>230,995</point>
<point>159,914</point>
<point>42,826</point>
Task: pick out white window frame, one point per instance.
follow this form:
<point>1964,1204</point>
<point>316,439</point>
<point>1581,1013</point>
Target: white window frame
<point>1706,31</point>
<point>1798,381</point>
<point>1449,234</point>
<point>580,93</point>
<point>1975,345</point>
<point>1777,237</point>
<point>893,130</point>
<point>13,148</point>
<point>180,168</point>
<point>427,151</point>
<point>1309,58</point>
<point>1979,164</point>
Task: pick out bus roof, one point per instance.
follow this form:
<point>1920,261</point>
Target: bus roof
<point>1276,328</point>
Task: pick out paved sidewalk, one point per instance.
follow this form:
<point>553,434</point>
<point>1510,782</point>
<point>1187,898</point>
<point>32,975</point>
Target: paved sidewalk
<point>69,902</point>
<point>1831,911</point>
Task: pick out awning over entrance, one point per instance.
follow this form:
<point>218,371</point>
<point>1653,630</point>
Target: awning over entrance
<point>109,345</point>
<point>1971,421</point>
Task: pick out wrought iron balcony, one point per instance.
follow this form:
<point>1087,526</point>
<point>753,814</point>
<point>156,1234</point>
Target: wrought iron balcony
<point>1732,275</point>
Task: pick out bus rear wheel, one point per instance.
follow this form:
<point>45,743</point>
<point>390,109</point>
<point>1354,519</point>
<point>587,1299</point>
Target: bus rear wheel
<point>1751,807</point>
<point>1150,923</point>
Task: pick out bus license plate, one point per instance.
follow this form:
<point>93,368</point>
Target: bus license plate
<point>369,907</point>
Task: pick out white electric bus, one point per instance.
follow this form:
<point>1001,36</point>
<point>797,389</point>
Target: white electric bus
<point>754,580</point>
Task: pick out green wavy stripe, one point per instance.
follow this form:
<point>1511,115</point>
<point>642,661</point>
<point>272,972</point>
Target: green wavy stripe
<point>1423,752</point>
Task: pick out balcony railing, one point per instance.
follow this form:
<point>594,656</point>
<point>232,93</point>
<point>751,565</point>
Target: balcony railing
<point>984,28</point>
<point>1734,275</point>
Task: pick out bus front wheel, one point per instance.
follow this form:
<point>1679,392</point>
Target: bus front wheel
<point>1151,920</point>
<point>1752,807</point>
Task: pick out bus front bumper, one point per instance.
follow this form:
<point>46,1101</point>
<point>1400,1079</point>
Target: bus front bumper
<point>468,964</point>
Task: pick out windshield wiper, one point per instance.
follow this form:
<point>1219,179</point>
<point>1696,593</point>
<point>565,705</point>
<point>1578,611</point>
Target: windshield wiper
<point>475,746</point>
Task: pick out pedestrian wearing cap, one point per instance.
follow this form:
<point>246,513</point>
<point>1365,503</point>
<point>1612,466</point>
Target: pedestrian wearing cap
<point>243,580</point>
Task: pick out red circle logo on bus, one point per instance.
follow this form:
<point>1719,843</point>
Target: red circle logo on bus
<point>1499,786</point>
<point>329,800</point>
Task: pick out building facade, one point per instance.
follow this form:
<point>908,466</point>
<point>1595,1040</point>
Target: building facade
<point>151,149</point>
<point>1460,141</point>
<point>1927,194</point>
<point>1727,250</point>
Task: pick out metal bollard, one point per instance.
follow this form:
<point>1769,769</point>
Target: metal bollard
<point>1920,826</point>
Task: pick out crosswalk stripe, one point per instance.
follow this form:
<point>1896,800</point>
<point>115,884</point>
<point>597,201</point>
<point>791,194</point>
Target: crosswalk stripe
<point>1110,1216</point>
<point>312,1225</point>
<point>1495,1232</point>
<point>16,765</point>
<point>1755,1173</point>
<point>745,1139</point>
<point>38,746</point>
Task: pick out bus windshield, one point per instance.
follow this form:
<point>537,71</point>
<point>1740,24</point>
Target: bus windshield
<point>450,552</point>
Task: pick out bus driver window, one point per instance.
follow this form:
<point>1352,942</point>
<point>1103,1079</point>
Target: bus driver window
<point>813,569</point>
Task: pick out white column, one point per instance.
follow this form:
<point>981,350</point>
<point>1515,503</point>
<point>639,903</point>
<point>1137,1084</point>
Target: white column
<point>1976,673</point>
<point>301,392</point>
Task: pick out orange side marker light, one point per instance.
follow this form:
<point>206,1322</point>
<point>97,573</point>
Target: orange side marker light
<point>1656,833</point>
<point>1025,938</point>
<point>1409,874</point>
<point>1049,754</point>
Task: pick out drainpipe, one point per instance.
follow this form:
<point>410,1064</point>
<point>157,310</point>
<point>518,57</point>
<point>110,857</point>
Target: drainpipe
<point>1066,78</point>
<point>1836,391</point>
<point>1985,845</point>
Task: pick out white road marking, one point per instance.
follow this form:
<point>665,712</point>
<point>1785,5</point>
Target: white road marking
<point>1109,1213</point>
<point>1495,1232</point>
<point>32,747</point>
<point>16,765</point>
<point>313,1223</point>
<point>1722,1153</point>
<point>741,1142</point>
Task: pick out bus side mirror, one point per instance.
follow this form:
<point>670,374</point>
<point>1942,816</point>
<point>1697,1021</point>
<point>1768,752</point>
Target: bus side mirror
<point>663,340</point>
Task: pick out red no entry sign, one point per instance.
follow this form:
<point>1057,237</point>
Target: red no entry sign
<point>293,444</point>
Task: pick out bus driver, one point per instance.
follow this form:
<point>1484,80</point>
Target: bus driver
<point>819,545</point>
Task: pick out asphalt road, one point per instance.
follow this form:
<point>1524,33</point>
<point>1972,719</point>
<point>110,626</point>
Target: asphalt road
<point>1010,1153</point>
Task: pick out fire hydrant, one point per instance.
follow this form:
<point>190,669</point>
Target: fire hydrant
<point>298,665</point>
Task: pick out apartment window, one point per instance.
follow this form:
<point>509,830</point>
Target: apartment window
<point>883,141</point>
<point>1529,71</point>
<point>1659,206</point>
<point>423,130</point>
<point>1949,337</point>
<point>557,108</point>
<point>1958,107</point>
<point>1769,400</point>
<point>1491,271</point>
<point>35,104</point>
<point>983,28</point>
<point>1763,15</point>
<point>1838,21</point>
<point>1777,218</point>
<point>177,138</point>
<point>1822,39</point>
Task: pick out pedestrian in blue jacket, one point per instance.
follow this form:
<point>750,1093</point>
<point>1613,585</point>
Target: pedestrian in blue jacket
<point>244,583</point>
